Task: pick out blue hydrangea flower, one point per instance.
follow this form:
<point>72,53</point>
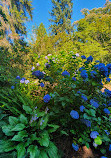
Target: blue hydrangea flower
<point>38,74</point>
<point>86,122</point>
<point>109,147</point>
<point>23,78</point>
<point>106,111</point>
<point>94,134</point>
<point>65,73</point>
<point>84,75</point>
<point>103,69</point>
<point>82,108</point>
<point>103,157</point>
<point>27,81</point>
<point>109,104</point>
<point>96,66</point>
<point>83,57</point>
<point>108,66</point>
<point>84,97</point>
<point>74,114</point>
<point>108,79</point>
<point>12,87</point>
<point>86,62</point>
<point>78,92</point>
<point>94,103</point>
<point>81,68</point>
<point>47,98</point>
<point>74,78</point>
<point>90,58</point>
<point>93,74</point>
<point>108,92</point>
<point>18,77</point>
<point>75,147</point>
<point>42,84</point>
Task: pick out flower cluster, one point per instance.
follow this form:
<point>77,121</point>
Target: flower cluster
<point>75,147</point>
<point>65,73</point>
<point>94,134</point>
<point>47,98</point>
<point>94,103</point>
<point>74,114</point>
<point>86,122</point>
<point>38,74</point>
<point>84,75</point>
<point>103,69</point>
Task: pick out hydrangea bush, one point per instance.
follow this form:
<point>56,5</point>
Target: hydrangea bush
<point>70,87</point>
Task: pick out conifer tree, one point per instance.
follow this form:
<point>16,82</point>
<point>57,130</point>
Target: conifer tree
<point>61,16</point>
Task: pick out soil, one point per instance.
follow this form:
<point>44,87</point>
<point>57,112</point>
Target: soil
<point>64,144</point>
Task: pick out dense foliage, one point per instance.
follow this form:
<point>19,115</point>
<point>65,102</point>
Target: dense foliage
<point>51,87</point>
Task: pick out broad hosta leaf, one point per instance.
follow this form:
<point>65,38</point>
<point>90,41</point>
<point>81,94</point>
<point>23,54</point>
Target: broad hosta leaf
<point>20,136</point>
<point>7,130</point>
<point>27,109</point>
<point>6,146</point>
<point>20,150</point>
<point>43,154</point>
<point>23,119</point>
<point>2,123</point>
<point>13,120</point>
<point>8,155</point>
<point>52,151</point>
<point>34,151</point>
<point>44,140</point>
<point>18,127</point>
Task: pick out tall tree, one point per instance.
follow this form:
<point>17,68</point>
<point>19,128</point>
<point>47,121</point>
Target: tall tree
<point>61,16</point>
<point>13,15</point>
<point>94,32</point>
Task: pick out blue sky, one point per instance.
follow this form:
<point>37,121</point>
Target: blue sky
<point>42,8</point>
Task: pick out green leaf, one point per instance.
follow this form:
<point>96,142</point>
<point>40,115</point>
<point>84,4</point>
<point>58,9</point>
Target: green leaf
<point>92,112</point>
<point>44,139</point>
<point>63,132</point>
<point>20,150</point>
<point>103,151</point>
<point>8,155</point>
<point>20,136</point>
<point>34,151</point>
<point>43,154</point>
<point>6,146</point>
<point>53,129</point>
<point>85,116</point>
<point>23,119</point>
<point>18,127</point>
<point>7,130</point>
<point>87,145</point>
<point>98,140</point>
<point>2,116</point>
<point>13,120</point>
<point>52,151</point>
<point>27,109</point>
